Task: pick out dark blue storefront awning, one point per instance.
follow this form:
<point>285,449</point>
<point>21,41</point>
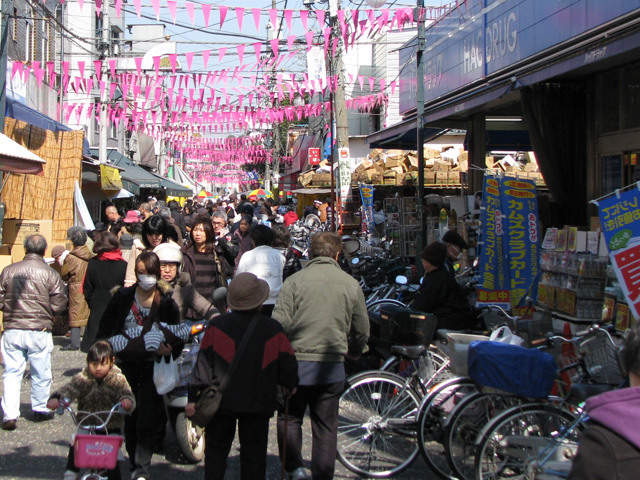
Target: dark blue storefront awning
<point>19,111</point>
<point>402,136</point>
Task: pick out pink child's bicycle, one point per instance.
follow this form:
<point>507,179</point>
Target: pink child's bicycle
<point>94,449</point>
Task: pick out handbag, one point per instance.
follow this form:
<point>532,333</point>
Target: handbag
<point>221,277</point>
<point>165,374</point>
<point>209,401</point>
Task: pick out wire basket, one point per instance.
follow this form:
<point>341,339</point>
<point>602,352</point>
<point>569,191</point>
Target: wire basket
<point>601,357</point>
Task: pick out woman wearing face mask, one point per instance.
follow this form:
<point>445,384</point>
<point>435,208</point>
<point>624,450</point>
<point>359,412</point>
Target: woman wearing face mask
<point>145,303</point>
<point>153,234</point>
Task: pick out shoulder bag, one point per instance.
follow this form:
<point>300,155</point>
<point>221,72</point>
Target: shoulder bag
<point>209,401</point>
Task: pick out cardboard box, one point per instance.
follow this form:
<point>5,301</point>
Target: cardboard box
<point>306,178</point>
<point>441,166</point>
<point>393,162</point>
<point>389,178</point>
<point>429,177</point>
<point>431,153</point>
<point>442,177</point>
<point>398,169</point>
<point>322,179</point>
<point>16,230</point>
<point>454,178</point>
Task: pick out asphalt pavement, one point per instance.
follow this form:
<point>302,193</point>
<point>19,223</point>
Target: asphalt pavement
<point>39,450</point>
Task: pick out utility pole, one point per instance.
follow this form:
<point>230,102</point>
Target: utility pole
<point>419,14</point>
<point>104,98</point>
<point>5,10</point>
<point>338,105</point>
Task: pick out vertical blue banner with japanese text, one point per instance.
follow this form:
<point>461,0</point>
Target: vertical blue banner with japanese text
<point>620,220</point>
<point>493,288</point>
<point>366,193</point>
<point>519,202</point>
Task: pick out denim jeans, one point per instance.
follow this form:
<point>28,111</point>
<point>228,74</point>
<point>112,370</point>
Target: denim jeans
<point>18,347</point>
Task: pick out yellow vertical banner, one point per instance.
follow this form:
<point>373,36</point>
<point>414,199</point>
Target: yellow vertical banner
<point>110,178</point>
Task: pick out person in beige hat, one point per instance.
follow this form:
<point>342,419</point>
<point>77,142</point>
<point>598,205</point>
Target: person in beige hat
<point>250,398</point>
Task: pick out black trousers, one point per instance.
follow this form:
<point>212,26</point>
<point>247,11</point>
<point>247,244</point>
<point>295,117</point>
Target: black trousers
<point>141,427</point>
<point>253,432</point>
<point>322,401</point>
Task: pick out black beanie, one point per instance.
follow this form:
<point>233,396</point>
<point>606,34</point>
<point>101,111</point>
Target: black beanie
<point>455,239</point>
<point>435,253</point>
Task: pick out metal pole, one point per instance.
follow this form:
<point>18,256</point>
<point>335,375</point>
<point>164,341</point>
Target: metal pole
<point>420,14</point>
<point>104,99</point>
<point>5,11</point>
<point>61,112</point>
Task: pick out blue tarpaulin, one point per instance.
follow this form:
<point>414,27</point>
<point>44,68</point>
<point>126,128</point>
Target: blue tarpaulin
<point>19,111</point>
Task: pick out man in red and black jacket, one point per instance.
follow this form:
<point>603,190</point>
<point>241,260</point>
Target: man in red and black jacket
<point>250,398</point>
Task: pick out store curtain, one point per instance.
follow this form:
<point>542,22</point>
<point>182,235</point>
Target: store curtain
<point>556,117</point>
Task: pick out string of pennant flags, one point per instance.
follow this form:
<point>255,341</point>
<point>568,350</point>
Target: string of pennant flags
<point>174,106</point>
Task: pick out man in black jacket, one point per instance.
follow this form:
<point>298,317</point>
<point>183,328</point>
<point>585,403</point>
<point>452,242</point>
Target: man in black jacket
<point>440,294</point>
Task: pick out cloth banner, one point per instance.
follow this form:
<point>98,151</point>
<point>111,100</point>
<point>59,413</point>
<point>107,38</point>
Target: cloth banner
<point>510,255</point>
<point>110,178</point>
<point>619,217</point>
<point>82,217</point>
<point>366,194</point>
<point>519,203</point>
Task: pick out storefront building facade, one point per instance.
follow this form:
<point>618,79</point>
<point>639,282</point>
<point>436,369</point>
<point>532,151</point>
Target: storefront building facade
<point>561,78</point>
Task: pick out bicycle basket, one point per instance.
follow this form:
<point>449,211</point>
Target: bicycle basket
<point>403,326</point>
<point>511,368</point>
<point>601,358</point>
<point>97,451</point>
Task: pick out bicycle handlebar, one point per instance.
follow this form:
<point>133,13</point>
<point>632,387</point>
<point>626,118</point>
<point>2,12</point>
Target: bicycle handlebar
<point>65,404</point>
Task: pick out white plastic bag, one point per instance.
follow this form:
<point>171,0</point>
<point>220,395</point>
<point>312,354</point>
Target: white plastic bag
<point>505,335</point>
<point>165,375</point>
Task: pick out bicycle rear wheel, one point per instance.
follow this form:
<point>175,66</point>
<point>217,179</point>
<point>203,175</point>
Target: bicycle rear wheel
<point>510,445</point>
<point>433,368</point>
<point>377,425</point>
<point>434,411</point>
<point>465,424</point>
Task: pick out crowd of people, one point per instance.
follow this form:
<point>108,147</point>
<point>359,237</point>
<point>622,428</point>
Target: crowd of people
<point>131,283</point>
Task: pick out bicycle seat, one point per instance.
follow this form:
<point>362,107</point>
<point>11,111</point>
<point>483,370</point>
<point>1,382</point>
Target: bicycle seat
<point>579,392</point>
<point>412,352</point>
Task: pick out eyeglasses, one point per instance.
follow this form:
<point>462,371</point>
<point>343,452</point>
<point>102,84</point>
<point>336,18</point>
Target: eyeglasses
<point>168,266</point>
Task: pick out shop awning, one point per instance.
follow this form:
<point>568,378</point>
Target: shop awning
<point>19,111</point>
<point>402,136</point>
<point>134,177</point>
<point>174,189</point>
<point>14,158</point>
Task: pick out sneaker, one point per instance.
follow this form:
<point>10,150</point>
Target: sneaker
<point>70,475</point>
<point>70,348</point>
<point>9,425</point>
<point>42,416</point>
<point>299,473</point>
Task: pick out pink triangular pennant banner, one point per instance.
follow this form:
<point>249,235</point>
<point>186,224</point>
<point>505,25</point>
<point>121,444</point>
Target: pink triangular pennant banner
<point>275,46</point>
<point>189,57</point>
<point>138,62</point>
<point>257,48</point>
<point>273,17</point>
<point>138,6</point>
<point>320,17</point>
<point>118,5</point>
<point>240,16</point>
<point>98,7</point>
<point>206,13</point>
<point>81,68</point>
<point>223,14</point>
<point>155,4</point>
<point>81,3</point>
<point>288,17</point>
<point>172,5</point>
<point>256,17</point>
<point>240,48</point>
<point>205,57</point>
<point>304,18</point>
<point>191,11</point>
<point>112,67</point>
<point>221,53</point>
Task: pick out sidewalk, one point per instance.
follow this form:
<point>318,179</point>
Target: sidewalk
<point>39,450</point>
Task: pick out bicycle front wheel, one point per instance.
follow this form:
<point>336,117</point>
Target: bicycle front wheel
<point>434,411</point>
<point>465,423</point>
<point>377,425</point>
<point>510,445</point>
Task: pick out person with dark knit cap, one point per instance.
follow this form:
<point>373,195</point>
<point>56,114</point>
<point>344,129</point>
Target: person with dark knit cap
<point>455,245</point>
<point>439,293</point>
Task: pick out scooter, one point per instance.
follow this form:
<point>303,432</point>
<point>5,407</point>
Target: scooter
<point>190,437</point>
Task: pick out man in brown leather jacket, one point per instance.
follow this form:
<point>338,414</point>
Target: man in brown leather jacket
<point>31,293</point>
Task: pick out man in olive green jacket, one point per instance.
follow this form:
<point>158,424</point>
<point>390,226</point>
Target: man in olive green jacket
<point>323,312</point>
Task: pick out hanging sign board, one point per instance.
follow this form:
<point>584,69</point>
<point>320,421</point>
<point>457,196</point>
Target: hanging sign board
<point>314,156</point>
<point>344,173</point>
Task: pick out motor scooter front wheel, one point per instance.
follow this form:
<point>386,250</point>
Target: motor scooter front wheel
<point>190,438</point>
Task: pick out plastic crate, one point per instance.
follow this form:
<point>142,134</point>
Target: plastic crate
<point>97,451</point>
<point>456,348</point>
